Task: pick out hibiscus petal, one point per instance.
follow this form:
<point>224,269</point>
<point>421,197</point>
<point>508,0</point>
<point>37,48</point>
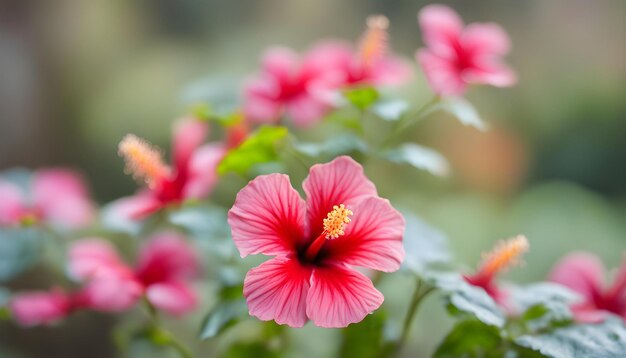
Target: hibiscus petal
<point>442,75</point>
<point>111,293</point>
<point>167,256</point>
<point>35,308</point>
<point>306,110</point>
<point>339,296</point>
<point>441,27</point>
<point>11,204</point>
<point>261,104</point>
<point>340,181</point>
<point>175,298</point>
<point>203,171</point>
<point>280,62</point>
<point>63,197</point>
<point>491,73</point>
<point>373,239</point>
<point>95,258</point>
<point>267,217</point>
<point>391,71</point>
<point>189,133</point>
<point>134,207</point>
<point>581,272</point>
<point>486,40</point>
<point>277,290</point>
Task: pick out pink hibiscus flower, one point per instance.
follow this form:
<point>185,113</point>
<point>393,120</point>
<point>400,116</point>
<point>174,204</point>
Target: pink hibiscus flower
<point>504,255</point>
<point>371,63</point>
<point>342,223</point>
<point>290,85</point>
<point>193,176</point>
<point>166,264</point>
<point>584,274</point>
<point>58,197</point>
<point>456,56</point>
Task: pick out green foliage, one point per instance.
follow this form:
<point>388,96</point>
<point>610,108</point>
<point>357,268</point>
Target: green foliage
<point>333,146</point>
<point>467,299</point>
<point>425,246</point>
<point>606,340</point>
<point>471,338</point>
<point>391,110</point>
<point>365,339</point>
<point>19,249</point>
<point>464,111</point>
<point>251,350</point>
<point>221,317</point>
<point>260,147</point>
<point>420,157</point>
<point>362,97</point>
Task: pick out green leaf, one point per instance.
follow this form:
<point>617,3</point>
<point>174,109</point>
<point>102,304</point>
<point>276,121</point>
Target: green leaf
<point>223,316</point>
<point>333,146</point>
<point>260,147</point>
<point>606,340</point>
<point>19,249</point>
<point>420,157</point>
<point>464,111</point>
<point>471,338</point>
<point>250,350</point>
<point>545,305</point>
<point>364,339</point>
<point>391,110</point>
<point>465,298</point>
<point>362,97</point>
<point>425,246</point>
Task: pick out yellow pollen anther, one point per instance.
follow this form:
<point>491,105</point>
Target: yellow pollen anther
<point>336,220</point>
<point>143,160</point>
<point>373,43</point>
<point>505,254</point>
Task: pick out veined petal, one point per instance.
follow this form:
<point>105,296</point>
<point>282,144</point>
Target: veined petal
<point>203,171</point>
<point>11,205</point>
<point>167,256</point>
<point>175,298</point>
<point>581,272</point>
<point>339,296</point>
<point>373,239</point>
<point>189,133</point>
<point>267,217</point>
<point>277,290</point>
<point>340,181</point>
<point>441,27</point>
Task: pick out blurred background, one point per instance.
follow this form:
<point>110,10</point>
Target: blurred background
<point>75,76</point>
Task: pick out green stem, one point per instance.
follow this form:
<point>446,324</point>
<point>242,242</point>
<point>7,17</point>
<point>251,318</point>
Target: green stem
<point>420,292</point>
<point>408,120</point>
<point>163,337</point>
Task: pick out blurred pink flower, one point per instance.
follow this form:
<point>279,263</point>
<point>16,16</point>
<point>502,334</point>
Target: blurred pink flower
<point>371,63</point>
<point>505,254</point>
<point>193,176</point>
<point>456,56</point>
<point>290,84</point>
<point>584,274</point>
<point>58,197</point>
<point>316,242</point>
<point>165,266</point>
<point>40,307</point>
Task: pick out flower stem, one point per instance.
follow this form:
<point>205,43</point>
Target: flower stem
<point>160,336</point>
<point>421,291</point>
<point>408,120</point>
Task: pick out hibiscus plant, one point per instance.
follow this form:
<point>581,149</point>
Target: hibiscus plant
<point>328,245</point>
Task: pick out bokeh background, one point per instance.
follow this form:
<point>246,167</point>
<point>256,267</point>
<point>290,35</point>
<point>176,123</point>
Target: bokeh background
<point>75,76</point>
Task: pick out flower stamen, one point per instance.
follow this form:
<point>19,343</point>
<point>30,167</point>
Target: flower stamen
<point>143,160</point>
<point>504,255</point>
<point>373,43</point>
<point>336,220</point>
